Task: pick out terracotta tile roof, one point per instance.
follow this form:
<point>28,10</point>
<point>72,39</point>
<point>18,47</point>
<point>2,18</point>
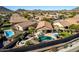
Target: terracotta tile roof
<point>69,21</point>
<point>63,22</point>
<point>44,25</point>
<point>15,18</point>
<point>74,20</point>
<point>26,24</point>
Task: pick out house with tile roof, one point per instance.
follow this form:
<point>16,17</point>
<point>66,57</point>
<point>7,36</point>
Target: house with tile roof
<point>20,23</point>
<point>44,26</point>
<point>16,18</point>
<point>61,24</point>
<point>24,25</point>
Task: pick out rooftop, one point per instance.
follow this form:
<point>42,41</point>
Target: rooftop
<point>16,18</point>
<point>44,24</point>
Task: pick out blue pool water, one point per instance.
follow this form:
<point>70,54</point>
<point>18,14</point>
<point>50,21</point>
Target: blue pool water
<point>55,34</point>
<point>8,33</point>
<point>45,38</point>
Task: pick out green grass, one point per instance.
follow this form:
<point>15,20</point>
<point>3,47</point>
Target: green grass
<point>65,34</point>
<point>6,28</point>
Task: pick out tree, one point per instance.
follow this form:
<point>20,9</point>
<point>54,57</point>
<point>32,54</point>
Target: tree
<point>74,27</point>
<point>72,14</point>
<point>31,30</point>
<point>1,17</point>
<point>46,19</point>
<point>8,16</point>
<point>62,17</point>
<point>26,15</point>
<point>65,34</point>
<point>1,21</point>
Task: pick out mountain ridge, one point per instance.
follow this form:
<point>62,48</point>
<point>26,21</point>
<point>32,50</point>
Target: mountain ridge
<point>4,9</point>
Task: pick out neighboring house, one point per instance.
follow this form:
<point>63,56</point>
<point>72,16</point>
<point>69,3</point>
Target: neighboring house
<point>74,20</point>
<point>20,23</point>
<point>39,18</point>
<point>44,26</point>
<point>16,18</point>
<point>61,24</point>
<point>24,25</point>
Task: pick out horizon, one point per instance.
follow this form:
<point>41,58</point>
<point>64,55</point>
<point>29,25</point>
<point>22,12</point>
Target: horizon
<point>41,7</point>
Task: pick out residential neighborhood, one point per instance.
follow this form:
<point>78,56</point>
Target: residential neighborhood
<point>24,28</point>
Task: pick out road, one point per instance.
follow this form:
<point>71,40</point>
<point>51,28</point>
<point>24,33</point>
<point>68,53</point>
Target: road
<point>41,45</point>
<point>74,48</point>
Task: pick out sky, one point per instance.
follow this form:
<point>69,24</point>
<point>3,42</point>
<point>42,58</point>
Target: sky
<point>41,7</point>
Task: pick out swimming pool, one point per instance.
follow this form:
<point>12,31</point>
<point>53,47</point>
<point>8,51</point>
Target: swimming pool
<point>42,38</point>
<point>8,33</point>
<point>55,34</point>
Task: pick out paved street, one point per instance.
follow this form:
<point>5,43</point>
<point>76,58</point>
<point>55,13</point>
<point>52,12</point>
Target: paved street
<point>74,48</point>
